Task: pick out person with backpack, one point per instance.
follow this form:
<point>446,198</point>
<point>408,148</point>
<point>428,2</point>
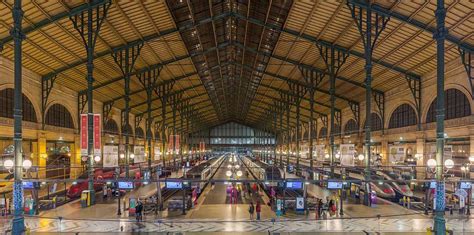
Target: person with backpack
<point>251,210</point>
<point>258,208</point>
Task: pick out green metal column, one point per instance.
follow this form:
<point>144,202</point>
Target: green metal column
<point>440,36</point>
<point>163,127</point>
<point>18,225</point>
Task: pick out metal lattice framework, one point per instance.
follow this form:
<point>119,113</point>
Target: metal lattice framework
<point>231,60</point>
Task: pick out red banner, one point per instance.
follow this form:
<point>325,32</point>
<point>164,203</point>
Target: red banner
<point>176,143</point>
<point>83,134</point>
<point>97,135</point>
<point>202,146</point>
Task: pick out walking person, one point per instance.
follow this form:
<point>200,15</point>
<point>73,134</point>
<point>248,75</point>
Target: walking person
<point>138,211</point>
<point>258,208</point>
<point>251,210</point>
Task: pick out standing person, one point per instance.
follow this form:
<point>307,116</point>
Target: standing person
<point>104,191</point>
<point>320,207</point>
<point>138,211</point>
<point>331,207</point>
<point>251,210</point>
<point>249,189</point>
<point>258,208</point>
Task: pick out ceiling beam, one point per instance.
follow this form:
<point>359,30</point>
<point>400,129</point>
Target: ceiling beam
<point>147,38</point>
<point>322,43</point>
<point>410,21</point>
<point>55,18</point>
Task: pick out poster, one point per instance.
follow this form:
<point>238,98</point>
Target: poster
<point>139,152</point>
<point>347,154</point>
<point>111,156</point>
<point>299,203</point>
<point>174,144</point>
<point>319,152</point>
<point>396,154</point>
<point>97,135</point>
<point>448,152</point>
<point>157,153</point>
<point>83,140</point>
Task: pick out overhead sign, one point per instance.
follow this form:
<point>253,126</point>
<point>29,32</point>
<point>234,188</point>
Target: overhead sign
<point>125,185</point>
<point>84,122</point>
<point>465,185</point>
<point>294,185</point>
<point>97,135</point>
<point>334,185</point>
<point>111,156</point>
<point>174,185</point>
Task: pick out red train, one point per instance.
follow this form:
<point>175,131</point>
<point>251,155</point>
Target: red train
<point>76,188</point>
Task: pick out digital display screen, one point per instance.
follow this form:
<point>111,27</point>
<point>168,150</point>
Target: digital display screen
<point>174,184</point>
<point>294,185</point>
<point>28,185</point>
<point>125,185</point>
<point>433,184</point>
<point>465,185</point>
<point>334,185</point>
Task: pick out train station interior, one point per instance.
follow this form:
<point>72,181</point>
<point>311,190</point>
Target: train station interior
<point>236,117</point>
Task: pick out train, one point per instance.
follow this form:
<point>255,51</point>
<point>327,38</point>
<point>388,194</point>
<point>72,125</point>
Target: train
<point>397,182</point>
<point>204,171</point>
<point>270,175</point>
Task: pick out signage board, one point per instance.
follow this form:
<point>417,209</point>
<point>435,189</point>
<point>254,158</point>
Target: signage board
<point>111,156</point>
<point>139,152</point>
<point>294,185</point>
<point>97,135</point>
<point>300,203</point>
<point>125,185</point>
<point>347,154</point>
<point>157,153</point>
<point>465,185</point>
<point>174,185</point>
<point>83,140</point>
<point>334,185</point>
<point>28,185</point>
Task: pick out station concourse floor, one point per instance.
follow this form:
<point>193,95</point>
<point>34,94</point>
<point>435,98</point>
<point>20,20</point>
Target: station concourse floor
<point>215,204</point>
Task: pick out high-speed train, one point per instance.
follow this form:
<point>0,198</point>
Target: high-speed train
<point>262,171</point>
<point>397,182</point>
<point>204,171</point>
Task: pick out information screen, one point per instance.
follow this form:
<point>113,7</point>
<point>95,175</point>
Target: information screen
<point>174,184</point>
<point>294,185</point>
<point>125,185</point>
<point>465,185</point>
<point>28,185</point>
<point>433,184</point>
<point>334,185</point>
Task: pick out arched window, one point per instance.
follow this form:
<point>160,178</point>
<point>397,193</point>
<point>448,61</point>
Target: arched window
<point>139,133</point>
<point>6,106</point>
<point>58,115</point>
<point>111,127</point>
<point>323,133</point>
<point>351,127</point>
<point>129,129</point>
<point>376,122</point>
<point>456,105</point>
<point>403,116</point>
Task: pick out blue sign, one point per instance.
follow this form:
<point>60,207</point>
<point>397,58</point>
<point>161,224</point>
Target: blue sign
<point>433,184</point>
<point>334,185</point>
<point>465,185</point>
<point>125,185</point>
<point>174,185</point>
<point>294,185</point>
<point>28,185</point>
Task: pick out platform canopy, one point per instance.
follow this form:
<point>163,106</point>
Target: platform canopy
<point>233,60</point>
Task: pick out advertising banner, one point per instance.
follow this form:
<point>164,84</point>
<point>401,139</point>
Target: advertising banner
<point>396,154</point>
<point>83,141</point>
<point>139,152</point>
<point>202,146</point>
<point>347,154</point>
<point>320,152</point>
<point>157,154</point>
<point>300,203</point>
<point>97,135</point>
<point>111,156</point>
<point>176,143</point>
